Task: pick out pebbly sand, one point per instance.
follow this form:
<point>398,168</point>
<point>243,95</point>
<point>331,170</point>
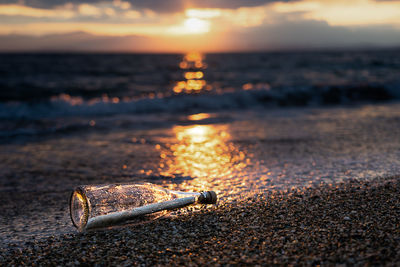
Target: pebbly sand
<point>353,223</point>
<point>338,213</point>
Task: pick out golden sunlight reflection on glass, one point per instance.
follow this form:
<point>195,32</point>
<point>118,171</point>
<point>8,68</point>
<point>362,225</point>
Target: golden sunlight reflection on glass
<point>206,154</point>
<point>193,66</point>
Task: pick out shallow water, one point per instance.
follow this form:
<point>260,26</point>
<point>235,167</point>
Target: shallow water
<point>27,77</point>
<point>239,124</point>
<point>237,154</point>
<point>44,94</point>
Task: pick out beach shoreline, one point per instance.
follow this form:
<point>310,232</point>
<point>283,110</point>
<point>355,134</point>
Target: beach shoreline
<point>303,150</point>
<point>353,223</point>
<point>238,154</point>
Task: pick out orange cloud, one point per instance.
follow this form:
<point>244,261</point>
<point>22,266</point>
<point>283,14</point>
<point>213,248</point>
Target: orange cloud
<point>300,23</point>
<point>345,13</point>
<point>89,10</point>
<point>20,10</point>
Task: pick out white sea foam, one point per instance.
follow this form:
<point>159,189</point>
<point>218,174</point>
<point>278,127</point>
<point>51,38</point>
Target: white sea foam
<point>75,106</point>
<point>67,106</point>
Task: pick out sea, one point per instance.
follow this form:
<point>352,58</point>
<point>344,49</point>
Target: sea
<point>241,124</point>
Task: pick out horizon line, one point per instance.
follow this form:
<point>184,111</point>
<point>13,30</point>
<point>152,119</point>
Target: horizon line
<point>365,48</point>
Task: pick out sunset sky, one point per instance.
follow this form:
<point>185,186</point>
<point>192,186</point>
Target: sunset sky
<point>201,25</point>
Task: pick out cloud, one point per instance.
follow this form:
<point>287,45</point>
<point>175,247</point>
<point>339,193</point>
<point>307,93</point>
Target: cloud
<point>162,6</point>
<point>362,12</point>
<point>280,25</point>
<point>233,4</point>
<point>180,5</point>
<point>12,10</point>
<point>311,34</point>
<point>283,35</point>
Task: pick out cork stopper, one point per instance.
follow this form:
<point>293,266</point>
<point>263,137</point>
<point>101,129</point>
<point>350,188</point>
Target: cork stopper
<point>208,197</point>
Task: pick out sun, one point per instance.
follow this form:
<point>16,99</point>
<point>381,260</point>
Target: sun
<point>194,22</point>
<point>196,26</point>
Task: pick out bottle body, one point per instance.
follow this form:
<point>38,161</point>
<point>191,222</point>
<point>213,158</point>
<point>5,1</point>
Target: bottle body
<point>102,205</point>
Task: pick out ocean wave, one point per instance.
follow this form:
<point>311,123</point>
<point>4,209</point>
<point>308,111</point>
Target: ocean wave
<point>67,106</point>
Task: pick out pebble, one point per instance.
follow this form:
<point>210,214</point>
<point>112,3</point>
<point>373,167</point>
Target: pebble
<point>284,232</point>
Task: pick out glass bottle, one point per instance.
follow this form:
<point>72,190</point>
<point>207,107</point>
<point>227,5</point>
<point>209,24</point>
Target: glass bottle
<point>95,206</point>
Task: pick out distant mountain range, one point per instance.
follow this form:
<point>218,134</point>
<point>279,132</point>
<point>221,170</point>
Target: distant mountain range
<point>75,41</point>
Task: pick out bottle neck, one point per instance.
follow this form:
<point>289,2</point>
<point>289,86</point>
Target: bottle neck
<point>179,194</point>
<point>206,197</point>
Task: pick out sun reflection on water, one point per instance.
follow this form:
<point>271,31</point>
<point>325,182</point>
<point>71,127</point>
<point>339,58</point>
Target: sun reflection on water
<point>205,154</point>
<point>193,66</point>
<point>199,116</point>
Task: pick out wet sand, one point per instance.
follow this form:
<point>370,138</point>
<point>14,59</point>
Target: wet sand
<point>353,223</point>
<point>238,154</point>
